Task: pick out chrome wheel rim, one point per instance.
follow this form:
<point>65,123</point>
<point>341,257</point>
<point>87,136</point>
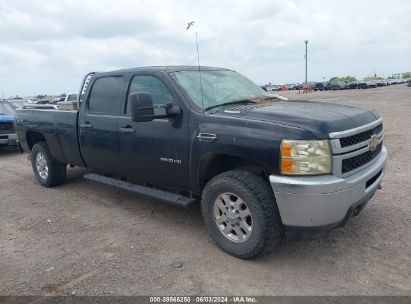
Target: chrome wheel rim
<point>41,165</point>
<point>233,217</point>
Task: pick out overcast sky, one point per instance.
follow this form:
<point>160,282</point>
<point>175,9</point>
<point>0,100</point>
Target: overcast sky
<point>47,46</point>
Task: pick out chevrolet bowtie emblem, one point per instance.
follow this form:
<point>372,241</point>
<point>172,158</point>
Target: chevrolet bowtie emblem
<point>373,143</point>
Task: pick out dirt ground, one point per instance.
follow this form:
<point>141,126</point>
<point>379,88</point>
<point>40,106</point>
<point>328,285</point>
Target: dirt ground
<point>88,239</point>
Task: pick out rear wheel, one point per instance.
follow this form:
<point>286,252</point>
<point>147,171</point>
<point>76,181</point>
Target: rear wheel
<point>47,170</point>
<point>241,214</point>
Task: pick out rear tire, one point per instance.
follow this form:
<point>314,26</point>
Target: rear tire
<point>257,226</point>
<point>48,171</point>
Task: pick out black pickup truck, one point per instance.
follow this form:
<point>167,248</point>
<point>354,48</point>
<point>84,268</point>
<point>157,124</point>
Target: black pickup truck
<point>261,166</point>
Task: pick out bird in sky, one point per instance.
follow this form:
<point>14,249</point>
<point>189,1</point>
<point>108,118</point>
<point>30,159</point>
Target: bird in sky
<point>189,24</point>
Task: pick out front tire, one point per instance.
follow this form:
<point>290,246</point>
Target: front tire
<point>47,170</point>
<point>241,214</point>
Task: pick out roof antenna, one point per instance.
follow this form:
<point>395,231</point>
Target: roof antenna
<point>190,24</point>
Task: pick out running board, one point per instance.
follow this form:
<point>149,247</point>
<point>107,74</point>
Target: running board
<point>168,197</point>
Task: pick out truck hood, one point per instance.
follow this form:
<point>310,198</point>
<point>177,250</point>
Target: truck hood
<point>320,118</point>
<point>6,118</point>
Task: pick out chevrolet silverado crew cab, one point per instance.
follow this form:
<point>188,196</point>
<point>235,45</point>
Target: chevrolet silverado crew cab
<point>261,166</point>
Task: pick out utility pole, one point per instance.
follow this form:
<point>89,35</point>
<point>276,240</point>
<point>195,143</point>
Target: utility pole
<point>306,58</point>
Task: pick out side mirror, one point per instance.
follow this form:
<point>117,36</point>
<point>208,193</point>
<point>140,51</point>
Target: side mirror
<point>141,106</point>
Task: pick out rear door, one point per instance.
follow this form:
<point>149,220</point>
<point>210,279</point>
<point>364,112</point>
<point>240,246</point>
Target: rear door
<point>98,124</point>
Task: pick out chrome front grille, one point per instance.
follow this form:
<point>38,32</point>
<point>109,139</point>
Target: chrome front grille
<point>351,148</point>
<point>360,137</point>
<point>352,163</point>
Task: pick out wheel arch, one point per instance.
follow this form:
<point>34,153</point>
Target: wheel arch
<point>33,137</point>
<point>213,164</point>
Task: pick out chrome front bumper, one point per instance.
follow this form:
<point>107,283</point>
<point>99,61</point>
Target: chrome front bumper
<point>8,139</point>
<point>317,201</point>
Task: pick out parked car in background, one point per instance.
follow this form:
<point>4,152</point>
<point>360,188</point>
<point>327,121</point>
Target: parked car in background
<point>319,86</point>
<point>326,86</point>
<point>362,84</point>
<point>409,83</point>
<point>338,85</point>
<point>378,83</point>
<point>293,86</point>
<point>7,124</point>
<point>44,101</point>
<point>353,85</point>
<point>371,84</point>
<point>71,97</point>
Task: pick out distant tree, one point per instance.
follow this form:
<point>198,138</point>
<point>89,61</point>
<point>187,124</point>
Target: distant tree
<point>345,79</point>
<point>373,78</point>
<point>40,96</point>
<point>406,75</point>
<point>63,95</point>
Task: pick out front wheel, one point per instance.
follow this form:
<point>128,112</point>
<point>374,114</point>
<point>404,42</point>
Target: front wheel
<point>241,214</point>
<point>48,171</point>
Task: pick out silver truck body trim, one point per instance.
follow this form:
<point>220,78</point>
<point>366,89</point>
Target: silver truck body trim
<point>337,149</point>
<point>356,130</point>
<point>341,153</point>
<point>337,159</point>
<point>314,201</point>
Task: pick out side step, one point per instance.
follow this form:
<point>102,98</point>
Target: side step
<point>171,198</point>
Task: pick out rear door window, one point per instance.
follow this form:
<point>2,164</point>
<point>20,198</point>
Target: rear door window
<point>105,95</point>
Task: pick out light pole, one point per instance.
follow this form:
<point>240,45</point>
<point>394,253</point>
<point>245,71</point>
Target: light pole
<point>306,45</point>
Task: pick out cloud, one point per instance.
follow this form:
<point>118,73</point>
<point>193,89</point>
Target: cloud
<point>47,46</point>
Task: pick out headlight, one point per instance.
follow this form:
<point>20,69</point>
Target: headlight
<point>305,157</point>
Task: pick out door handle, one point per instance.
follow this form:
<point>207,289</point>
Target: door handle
<point>127,129</point>
<point>86,125</point>
<point>207,137</point>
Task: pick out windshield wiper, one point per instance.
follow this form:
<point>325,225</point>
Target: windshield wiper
<point>231,102</point>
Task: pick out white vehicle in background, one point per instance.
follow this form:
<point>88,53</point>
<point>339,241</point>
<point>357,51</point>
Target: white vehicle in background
<point>71,97</point>
<point>68,97</point>
<point>69,102</point>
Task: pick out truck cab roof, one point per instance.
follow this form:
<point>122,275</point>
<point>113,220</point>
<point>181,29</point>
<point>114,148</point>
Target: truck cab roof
<point>168,69</point>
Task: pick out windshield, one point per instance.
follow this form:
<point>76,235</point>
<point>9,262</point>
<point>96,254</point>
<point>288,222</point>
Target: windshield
<point>5,108</point>
<point>218,87</point>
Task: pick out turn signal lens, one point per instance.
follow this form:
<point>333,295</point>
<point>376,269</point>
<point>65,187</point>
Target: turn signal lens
<point>286,166</point>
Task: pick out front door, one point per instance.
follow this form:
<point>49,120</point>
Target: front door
<point>156,151</point>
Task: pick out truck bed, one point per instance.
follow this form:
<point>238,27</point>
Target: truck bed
<point>59,129</point>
